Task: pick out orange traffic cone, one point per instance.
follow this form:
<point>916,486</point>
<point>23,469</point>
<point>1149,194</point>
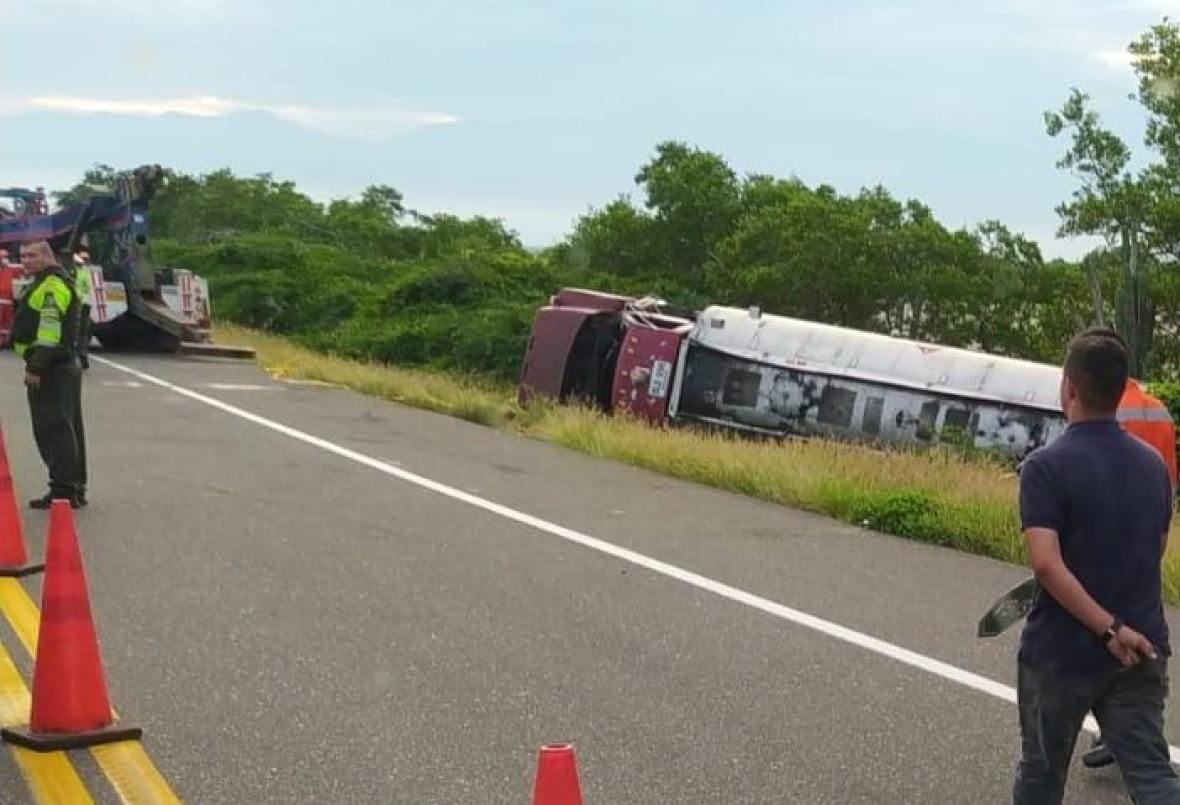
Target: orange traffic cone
<point>70,706</point>
<point>14,561</point>
<point>557,777</point>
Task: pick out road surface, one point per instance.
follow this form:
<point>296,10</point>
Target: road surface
<point>306,595</point>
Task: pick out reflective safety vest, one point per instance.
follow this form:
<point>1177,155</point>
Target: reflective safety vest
<point>82,283</point>
<point>45,325</point>
<point>1144,416</point>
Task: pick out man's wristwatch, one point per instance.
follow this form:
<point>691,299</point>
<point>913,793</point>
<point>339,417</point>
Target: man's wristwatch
<point>1111,630</point>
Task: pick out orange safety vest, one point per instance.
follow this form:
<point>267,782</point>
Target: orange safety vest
<point>1144,416</point>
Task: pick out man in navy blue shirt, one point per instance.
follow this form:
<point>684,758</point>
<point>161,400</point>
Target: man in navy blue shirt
<point>1095,506</point>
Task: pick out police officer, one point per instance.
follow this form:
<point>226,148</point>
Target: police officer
<point>82,286</point>
<point>45,334</point>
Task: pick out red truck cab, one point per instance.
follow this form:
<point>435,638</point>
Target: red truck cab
<point>617,353</point>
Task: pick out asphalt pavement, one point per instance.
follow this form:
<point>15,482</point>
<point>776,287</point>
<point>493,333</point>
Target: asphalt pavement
<point>289,623</point>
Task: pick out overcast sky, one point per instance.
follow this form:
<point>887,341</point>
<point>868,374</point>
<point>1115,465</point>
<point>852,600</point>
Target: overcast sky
<point>533,112</point>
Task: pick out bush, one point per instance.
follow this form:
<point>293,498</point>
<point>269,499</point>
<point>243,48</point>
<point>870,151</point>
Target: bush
<point>465,313</point>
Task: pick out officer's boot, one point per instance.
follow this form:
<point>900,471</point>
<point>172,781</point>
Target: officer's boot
<point>1097,755</point>
<point>46,500</point>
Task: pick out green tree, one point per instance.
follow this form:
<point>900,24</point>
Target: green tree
<point>220,204</point>
<point>1137,213</point>
<point>808,255</point>
<point>1007,273</point>
<point>367,276</point>
<point>695,197</point>
<point>373,223</point>
<point>1156,59</point>
<point>760,191</point>
<point>447,235</point>
<point>616,240</point>
<point>1111,202</point>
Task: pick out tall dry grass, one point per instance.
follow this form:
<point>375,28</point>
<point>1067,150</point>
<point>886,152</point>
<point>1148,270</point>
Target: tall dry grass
<point>469,398</point>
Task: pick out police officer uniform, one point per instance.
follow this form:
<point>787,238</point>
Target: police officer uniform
<point>45,333</point>
<point>82,286</point>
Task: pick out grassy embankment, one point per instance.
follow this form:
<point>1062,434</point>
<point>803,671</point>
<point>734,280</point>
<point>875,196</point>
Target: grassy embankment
<point>933,495</point>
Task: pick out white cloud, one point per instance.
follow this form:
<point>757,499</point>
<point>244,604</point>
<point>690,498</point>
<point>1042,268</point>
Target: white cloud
<point>12,106</point>
<point>372,123</point>
<point>197,106</point>
<point>1114,58</point>
<point>360,123</point>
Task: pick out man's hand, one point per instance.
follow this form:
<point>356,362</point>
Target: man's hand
<point>32,381</point>
<point>1129,647</point>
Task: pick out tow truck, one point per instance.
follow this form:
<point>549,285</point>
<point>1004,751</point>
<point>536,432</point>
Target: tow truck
<point>134,303</point>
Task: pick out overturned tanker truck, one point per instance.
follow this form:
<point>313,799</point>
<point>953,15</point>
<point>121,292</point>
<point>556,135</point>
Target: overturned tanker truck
<point>745,370</point>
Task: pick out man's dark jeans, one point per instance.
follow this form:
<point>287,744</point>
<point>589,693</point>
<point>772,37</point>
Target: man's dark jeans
<point>1129,707</point>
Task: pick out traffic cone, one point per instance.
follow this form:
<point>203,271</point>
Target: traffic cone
<point>70,705</point>
<point>557,777</point>
<point>14,561</point>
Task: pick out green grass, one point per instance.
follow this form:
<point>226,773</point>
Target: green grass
<point>934,495</point>
<point>896,492</point>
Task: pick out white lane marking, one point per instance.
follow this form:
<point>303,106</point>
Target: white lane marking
<point>128,384</point>
<point>237,387</point>
<point>314,383</point>
<point>912,658</point>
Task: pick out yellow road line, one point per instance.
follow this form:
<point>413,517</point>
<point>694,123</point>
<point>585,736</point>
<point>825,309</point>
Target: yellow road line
<point>132,774</point>
<point>21,612</point>
<point>14,696</point>
<point>125,764</point>
<point>50,776</point>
